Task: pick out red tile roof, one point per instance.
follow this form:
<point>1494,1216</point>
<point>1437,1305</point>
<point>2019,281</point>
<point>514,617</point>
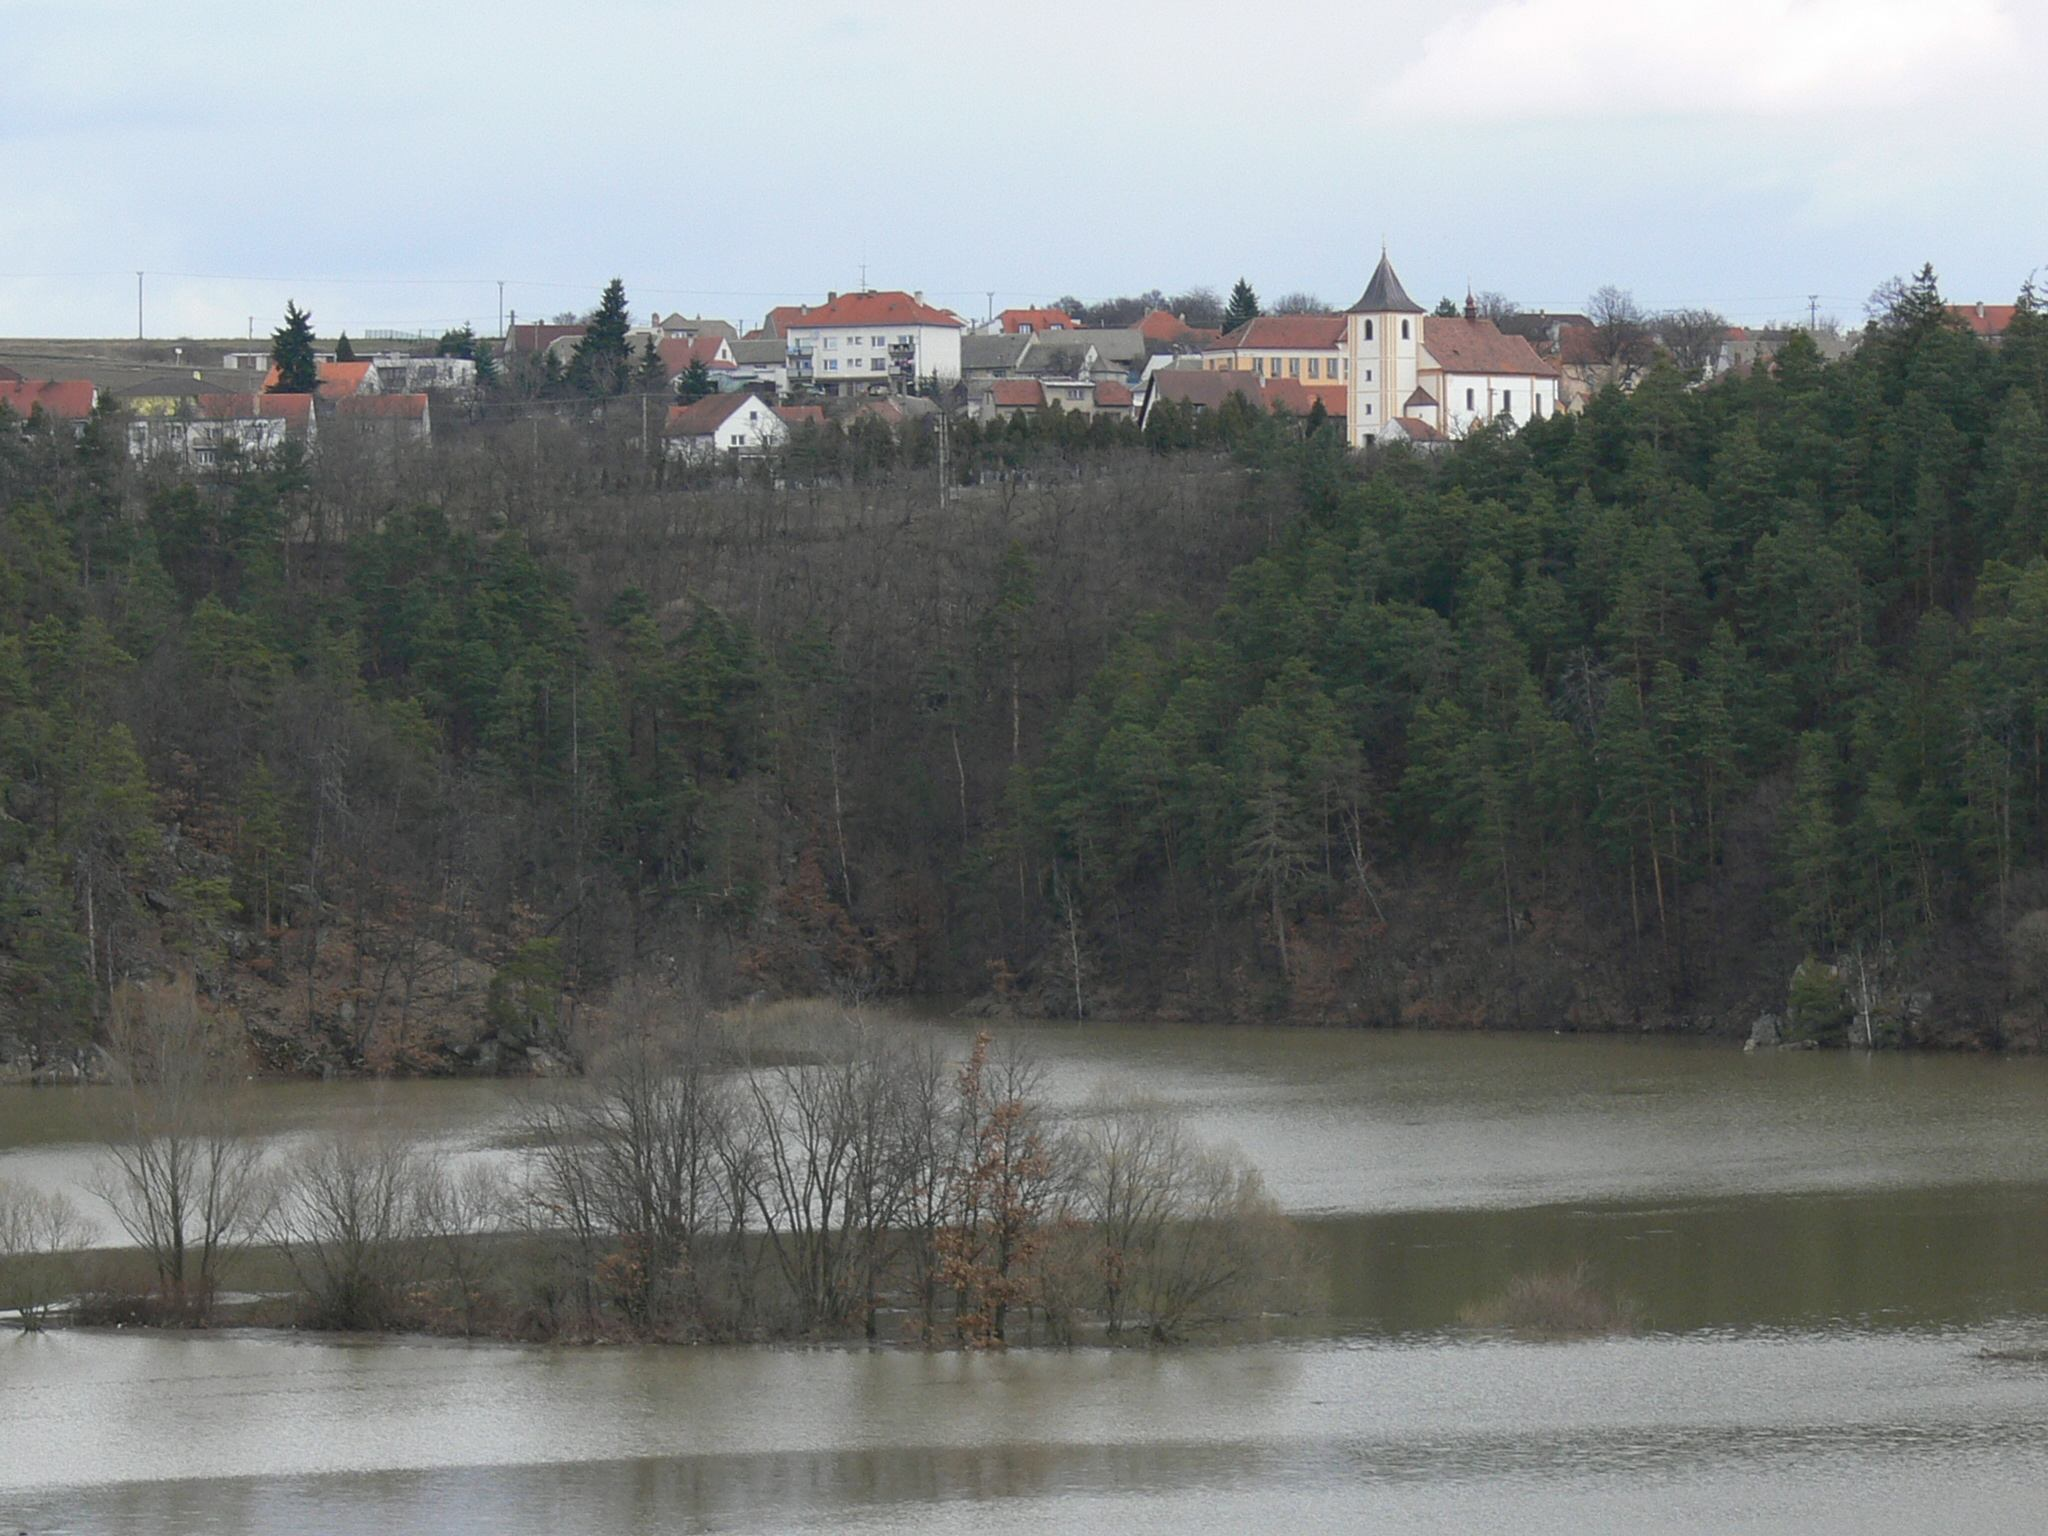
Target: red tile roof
<point>1984,319</point>
<point>292,410</point>
<point>1290,333</point>
<point>1301,398</point>
<point>383,407</point>
<point>1478,346</point>
<point>62,399</point>
<point>890,308</point>
<point>678,352</point>
<point>778,321</point>
<point>1112,392</point>
<point>1160,326</point>
<point>1418,430</point>
<point>1019,394</point>
<point>797,415</point>
<point>1578,346</point>
<point>1015,320</point>
<point>338,381</point>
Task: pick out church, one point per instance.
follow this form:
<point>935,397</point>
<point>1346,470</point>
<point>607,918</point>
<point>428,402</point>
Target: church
<point>1417,377</point>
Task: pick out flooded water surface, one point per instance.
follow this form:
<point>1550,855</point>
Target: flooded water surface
<point>1840,1263</point>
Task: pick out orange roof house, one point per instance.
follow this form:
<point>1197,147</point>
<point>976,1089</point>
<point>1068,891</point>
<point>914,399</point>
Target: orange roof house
<point>337,381</point>
<point>1988,321</point>
<point>58,399</point>
<point>1014,321</point>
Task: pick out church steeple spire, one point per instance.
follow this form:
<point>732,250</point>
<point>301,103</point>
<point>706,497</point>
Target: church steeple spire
<point>1384,295</point>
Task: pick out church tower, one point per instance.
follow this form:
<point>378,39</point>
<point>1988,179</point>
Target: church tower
<point>1382,338</point>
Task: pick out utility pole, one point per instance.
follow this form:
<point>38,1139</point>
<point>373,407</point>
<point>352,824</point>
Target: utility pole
<point>991,306</point>
<point>138,306</point>
<point>945,445</point>
<point>501,309</point>
<point>1813,311</point>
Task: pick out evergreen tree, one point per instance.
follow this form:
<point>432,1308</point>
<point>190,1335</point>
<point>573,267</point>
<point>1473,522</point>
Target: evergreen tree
<point>653,372</point>
<point>291,354</point>
<point>343,352</point>
<point>695,382</point>
<point>603,364</point>
<point>460,342</point>
<point>1243,307</point>
<point>1445,310</point>
<point>488,375</point>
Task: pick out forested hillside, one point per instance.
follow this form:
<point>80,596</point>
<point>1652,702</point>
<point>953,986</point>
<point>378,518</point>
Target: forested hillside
<point>1607,723</point>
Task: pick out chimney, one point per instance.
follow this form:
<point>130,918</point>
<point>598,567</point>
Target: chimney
<point>918,296</point>
<point>831,295</point>
<point>1980,309</point>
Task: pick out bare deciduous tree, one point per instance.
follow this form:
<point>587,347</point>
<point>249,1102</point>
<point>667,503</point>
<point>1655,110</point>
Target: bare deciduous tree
<point>348,1216</point>
<point>38,1232</point>
<point>1693,337</point>
<point>1621,333</point>
<point>180,1176</point>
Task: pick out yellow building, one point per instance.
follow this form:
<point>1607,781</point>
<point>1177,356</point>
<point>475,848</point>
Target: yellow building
<point>1307,348</point>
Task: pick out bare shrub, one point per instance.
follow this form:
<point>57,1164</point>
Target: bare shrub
<point>1182,1236</point>
<point>38,1232</point>
<point>1557,1304</point>
<point>461,1211</point>
<point>349,1211</point>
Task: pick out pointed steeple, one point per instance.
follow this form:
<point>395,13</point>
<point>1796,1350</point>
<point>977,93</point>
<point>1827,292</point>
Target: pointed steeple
<point>1384,295</point>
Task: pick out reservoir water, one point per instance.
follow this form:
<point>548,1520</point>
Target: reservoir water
<point>1841,1263</point>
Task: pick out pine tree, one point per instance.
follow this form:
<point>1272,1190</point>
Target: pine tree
<point>603,362</point>
<point>488,376</point>
<point>343,352</point>
<point>1244,307</point>
<point>653,371</point>
<point>1445,310</point>
<point>695,383</point>
<point>291,353</point>
<point>460,342</point>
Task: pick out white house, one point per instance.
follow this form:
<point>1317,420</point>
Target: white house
<point>871,342</point>
<point>738,425</point>
<point>1405,368</point>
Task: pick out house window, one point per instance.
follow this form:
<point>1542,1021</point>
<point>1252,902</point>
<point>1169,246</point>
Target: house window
<point>738,438</point>
<point>831,343</point>
<point>1468,399</point>
<point>1507,402</point>
<point>1276,367</point>
<point>831,365</point>
<point>1294,367</point>
<point>1404,330</point>
<point>1368,375</point>
<point>879,342</point>
<point>1368,407</point>
<point>1259,366</point>
<point>1368,330</point>
<point>1314,365</point>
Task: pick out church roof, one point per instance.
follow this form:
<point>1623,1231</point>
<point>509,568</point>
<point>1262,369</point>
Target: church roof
<point>1384,294</point>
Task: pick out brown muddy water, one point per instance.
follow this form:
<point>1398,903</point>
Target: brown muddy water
<point>1823,1249</point>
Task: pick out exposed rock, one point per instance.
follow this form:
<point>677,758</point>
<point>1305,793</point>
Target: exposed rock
<point>1767,1032</point>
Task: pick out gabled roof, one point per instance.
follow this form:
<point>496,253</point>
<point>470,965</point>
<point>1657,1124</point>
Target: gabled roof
<point>1295,333</point>
<point>1578,345</point>
<point>1418,430</point>
<point>1301,398</point>
<point>1015,320</point>
<point>1985,319</point>
<point>292,410</point>
<point>994,351</point>
<point>697,325</point>
<point>1161,326</point>
<point>337,381</point>
<point>1477,346</point>
<point>382,407</point>
<point>678,352</point>
<point>63,399</point>
<point>798,415</point>
<point>702,418</point>
<point>165,386</point>
<point>761,352</point>
<point>778,321</point>
<point>1018,394</point>
<point>1384,294</point>
<point>885,308</point>
<point>1112,392</point>
<point>1124,346</point>
<point>538,338</point>
<point>1420,398</point>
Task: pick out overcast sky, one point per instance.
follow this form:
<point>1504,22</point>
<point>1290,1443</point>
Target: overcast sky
<point>386,161</point>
